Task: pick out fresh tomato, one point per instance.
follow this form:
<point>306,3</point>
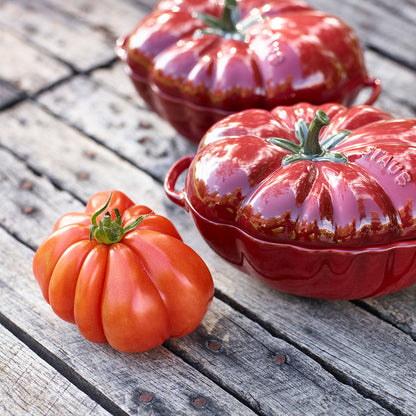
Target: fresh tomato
<point>315,200</point>
<point>196,61</point>
<point>123,275</point>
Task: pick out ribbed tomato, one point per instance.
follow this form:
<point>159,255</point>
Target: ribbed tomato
<point>124,276</point>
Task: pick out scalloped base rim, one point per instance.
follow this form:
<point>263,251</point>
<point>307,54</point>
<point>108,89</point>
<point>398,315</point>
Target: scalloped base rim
<point>319,273</point>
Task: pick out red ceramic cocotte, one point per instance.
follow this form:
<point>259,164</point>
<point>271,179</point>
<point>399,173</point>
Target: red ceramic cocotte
<point>196,61</point>
<point>317,201</point>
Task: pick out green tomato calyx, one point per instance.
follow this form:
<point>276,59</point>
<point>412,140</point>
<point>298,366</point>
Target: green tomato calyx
<point>229,25</point>
<point>110,231</point>
<point>309,147</point>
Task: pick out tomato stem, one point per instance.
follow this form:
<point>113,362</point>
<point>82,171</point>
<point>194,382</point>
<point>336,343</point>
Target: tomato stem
<point>110,231</point>
<point>228,24</point>
<point>227,18</point>
<point>309,147</point>
<point>312,146</point>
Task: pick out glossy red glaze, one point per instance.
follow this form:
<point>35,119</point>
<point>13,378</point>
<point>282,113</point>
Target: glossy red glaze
<point>292,53</point>
<point>312,228</point>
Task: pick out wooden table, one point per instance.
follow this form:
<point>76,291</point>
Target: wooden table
<point>71,125</point>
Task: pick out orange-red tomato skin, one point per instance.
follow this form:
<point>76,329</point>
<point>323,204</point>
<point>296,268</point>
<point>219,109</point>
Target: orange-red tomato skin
<point>133,294</point>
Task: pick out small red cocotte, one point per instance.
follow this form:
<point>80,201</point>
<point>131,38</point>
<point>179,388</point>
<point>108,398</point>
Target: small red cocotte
<point>317,201</point>
<point>133,293</point>
<point>196,61</point>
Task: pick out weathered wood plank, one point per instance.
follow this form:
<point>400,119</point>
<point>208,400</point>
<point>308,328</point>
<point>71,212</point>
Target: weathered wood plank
<point>125,14</point>
<point>147,4</point>
<point>249,354</point>
<point>27,68</point>
<point>377,27</point>
<point>174,385</point>
<point>63,36</point>
<point>53,145</point>
<point>8,94</point>
<point>364,351</point>
<point>135,133</point>
<point>397,308</point>
<point>151,383</point>
<point>29,386</point>
<point>115,79</point>
<point>271,374</point>
<point>371,361</point>
<point>405,9</point>
<point>398,94</point>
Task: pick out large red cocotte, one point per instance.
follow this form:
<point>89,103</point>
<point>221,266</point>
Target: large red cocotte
<point>317,201</point>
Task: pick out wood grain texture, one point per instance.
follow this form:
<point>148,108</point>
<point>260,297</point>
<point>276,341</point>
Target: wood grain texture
<point>60,35</point>
<point>78,128</point>
<point>124,14</point>
<point>398,94</point>
<point>114,78</point>
<point>29,386</point>
<point>397,308</point>
<point>247,361</point>
<point>121,378</point>
<point>377,27</point>
<point>270,373</point>
<point>358,347</point>
<point>137,135</point>
<point>18,56</point>
<point>8,94</point>
<point>323,329</point>
<point>46,143</point>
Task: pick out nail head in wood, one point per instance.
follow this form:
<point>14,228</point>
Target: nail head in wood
<point>83,176</point>
<point>279,358</point>
<point>214,345</point>
<point>28,209</point>
<point>89,154</point>
<point>145,125</point>
<point>200,402</point>
<point>26,184</point>
<point>146,397</point>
